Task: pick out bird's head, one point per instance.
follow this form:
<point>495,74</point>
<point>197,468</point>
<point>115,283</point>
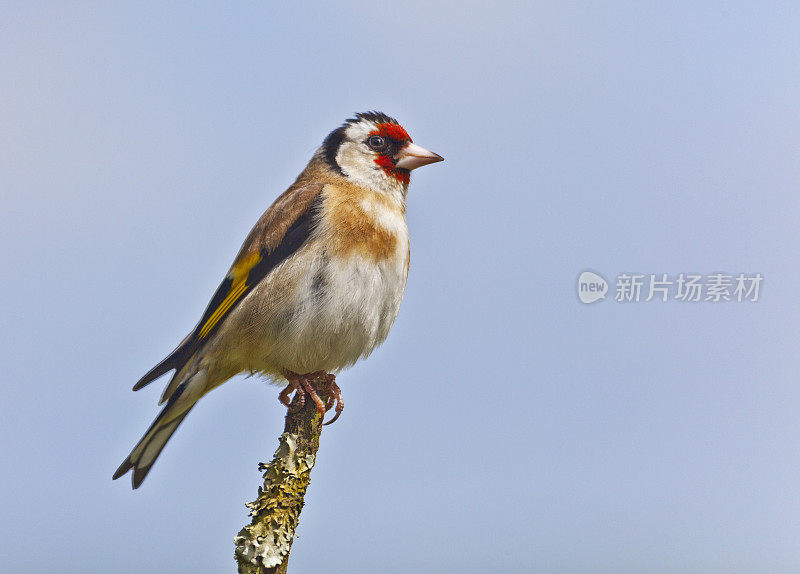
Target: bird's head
<point>375,151</point>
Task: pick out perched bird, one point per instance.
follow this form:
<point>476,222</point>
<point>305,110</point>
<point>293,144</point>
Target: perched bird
<point>316,285</point>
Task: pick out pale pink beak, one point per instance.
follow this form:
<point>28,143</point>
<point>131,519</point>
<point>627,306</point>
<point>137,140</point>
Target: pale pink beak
<point>413,156</point>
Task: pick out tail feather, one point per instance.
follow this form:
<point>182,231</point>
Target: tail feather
<point>146,451</point>
<point>163,367</point>
<point>171,387</point>
<point>176,360</point>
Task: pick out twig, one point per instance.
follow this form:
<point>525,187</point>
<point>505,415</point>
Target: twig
<point>263,546</point>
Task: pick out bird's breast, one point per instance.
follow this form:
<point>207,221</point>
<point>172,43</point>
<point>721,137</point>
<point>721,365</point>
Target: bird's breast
<point>366,245</point>
<point>336,299</point>
<point>357,222</point>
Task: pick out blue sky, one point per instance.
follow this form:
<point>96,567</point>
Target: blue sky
<point>504,426</point>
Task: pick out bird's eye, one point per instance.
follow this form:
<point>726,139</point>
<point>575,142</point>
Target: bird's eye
<point>376,142</point>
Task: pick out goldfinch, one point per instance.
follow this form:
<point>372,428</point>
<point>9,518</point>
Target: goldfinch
<point>315,287</point>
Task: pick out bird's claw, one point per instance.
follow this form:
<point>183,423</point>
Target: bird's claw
<point>302,386</point>
<point>334,396</point>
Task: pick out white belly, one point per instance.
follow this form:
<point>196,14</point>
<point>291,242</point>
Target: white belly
<point>316,314</point>
<point>343,313</point>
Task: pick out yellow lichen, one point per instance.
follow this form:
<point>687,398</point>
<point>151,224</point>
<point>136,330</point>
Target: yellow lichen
<point>264,544</point>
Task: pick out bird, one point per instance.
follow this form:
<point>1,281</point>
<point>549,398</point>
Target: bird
<point>315,287</point>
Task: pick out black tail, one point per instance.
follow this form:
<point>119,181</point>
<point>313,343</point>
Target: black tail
<point>146,451</point>
<point>163,367</point>
<point>176,360</point>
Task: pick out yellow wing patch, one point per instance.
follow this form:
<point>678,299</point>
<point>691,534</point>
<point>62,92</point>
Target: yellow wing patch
<point>240,271</point>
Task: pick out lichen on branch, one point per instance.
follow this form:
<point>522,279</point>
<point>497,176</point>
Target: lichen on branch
<point>263,546</point>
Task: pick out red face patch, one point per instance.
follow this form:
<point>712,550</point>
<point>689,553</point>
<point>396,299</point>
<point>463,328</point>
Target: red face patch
<point>398,133</point>
<point>394,131</point>
<point>387,164</point>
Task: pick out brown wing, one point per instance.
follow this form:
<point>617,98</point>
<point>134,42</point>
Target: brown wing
<point>280,232</point>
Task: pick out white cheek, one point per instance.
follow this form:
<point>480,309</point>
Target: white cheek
<point>358,164</point>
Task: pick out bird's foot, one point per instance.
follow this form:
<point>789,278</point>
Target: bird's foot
<point>286,400</point>
<point>303,387</point>
<point>334,397</point>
